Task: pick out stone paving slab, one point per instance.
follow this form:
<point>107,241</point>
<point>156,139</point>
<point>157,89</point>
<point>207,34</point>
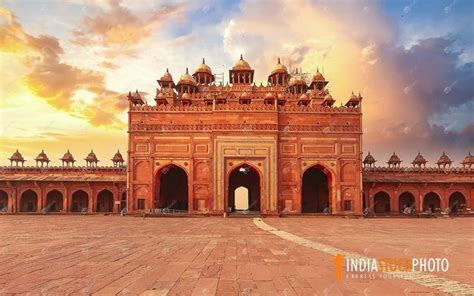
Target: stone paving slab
<point>111,255</point>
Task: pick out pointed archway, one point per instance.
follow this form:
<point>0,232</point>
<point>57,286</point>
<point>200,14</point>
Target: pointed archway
<point>382,202</point>
<point>29,201</point>
<point>432,202</point>
<point>80,201</point>
<point>457,202</point>
<point>406,200</point>
<point>54,201</point>
<point>171,189</point>
<point>244,189</point>
<point>315,193</point>
<point>105,201</point>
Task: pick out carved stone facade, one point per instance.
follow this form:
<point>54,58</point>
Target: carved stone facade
<point>278,131</point>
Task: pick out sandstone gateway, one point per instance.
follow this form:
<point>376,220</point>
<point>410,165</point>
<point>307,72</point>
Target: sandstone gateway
<point>216,148</point>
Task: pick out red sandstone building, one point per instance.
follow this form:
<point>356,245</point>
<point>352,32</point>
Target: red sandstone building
<point>205,147</point>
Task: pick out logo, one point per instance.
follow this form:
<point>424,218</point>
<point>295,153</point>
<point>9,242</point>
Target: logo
<point>370,268</point>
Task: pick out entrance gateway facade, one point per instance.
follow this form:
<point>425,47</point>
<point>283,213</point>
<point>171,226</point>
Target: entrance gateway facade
<point>279,148</point>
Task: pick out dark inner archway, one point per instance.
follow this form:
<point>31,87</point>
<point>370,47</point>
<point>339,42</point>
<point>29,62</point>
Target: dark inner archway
<point>406,199</point>
<point>247,177</point>
<point>3,200</point>
<point>80,201</point>
<point>382,202</point>
<point>432,201</point>
<point>29,201</point>
<point>105,201</point>
<point>172,185</point>
<point>54,201</point>
<point>315,191</point>
<point>456,201</point>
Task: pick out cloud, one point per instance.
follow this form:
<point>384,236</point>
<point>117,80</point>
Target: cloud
<point>357,46</point>
<point>56,82</point>
<point>119,31</point>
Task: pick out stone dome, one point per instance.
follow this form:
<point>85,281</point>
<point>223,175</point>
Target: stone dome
<point>241,64</point>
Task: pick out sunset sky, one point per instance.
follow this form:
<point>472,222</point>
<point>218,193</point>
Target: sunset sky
<point>65,66</point>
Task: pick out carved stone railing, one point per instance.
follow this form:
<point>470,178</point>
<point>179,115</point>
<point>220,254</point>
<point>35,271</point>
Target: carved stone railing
<point>411,170</point>
<point>259,106</point>
<point>59,169</point>
<point>243,127</point>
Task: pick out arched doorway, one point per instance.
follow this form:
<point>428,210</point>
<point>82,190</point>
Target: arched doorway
<point>382,202</point>
<point>29,201</point>
<point>105,201</point>
<point>80,201</point>
<point>3,201</point>
<point>315,190</point>
<point>171,189</point>
<point>431,201</point>
<point>244,189</point>
<point>457,201</point>
<point>405,200</point>
<point>54,201</point>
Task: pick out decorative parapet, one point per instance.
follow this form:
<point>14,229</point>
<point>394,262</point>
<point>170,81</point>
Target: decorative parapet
<point>201,107</point>
<point>59,169</point>
<point>243,127</point>
<point>417,170</point>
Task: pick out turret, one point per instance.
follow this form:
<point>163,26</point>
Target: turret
<point>42,158</point>
<point>203,74</point>
<point>241,73</point>
<point>279,75</point>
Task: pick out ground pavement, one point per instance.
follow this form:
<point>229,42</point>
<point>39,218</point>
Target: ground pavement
<point>106,255</point>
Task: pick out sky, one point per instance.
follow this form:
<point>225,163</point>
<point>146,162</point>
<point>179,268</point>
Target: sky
<point>66,66</point>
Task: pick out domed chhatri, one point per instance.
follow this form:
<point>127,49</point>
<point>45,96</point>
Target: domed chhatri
<point>318,82</point>
<point>354,100</point>
<point>203,74</point>
<point>186,84</point>
<point>166,81</point>
<point>68,159</point>
<point>369,160</point>
<point>394,161</point>
<point>297,84</point>
<point>468,161</point>
<point>279,75</point>
<point>91,159</point>
<point>118,159</point>
<point>419,161</point>
<point>16,158</point>
<point>444,161</point>
<point>42,158</point>
<point>328,101</point>
<point>241,73</point>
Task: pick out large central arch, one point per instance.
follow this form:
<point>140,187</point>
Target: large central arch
<point>244,190</point>
<point>315,193</point>
<point>171,189</point>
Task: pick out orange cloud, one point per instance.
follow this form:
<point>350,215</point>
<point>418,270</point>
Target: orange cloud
<point>120,31</point>
<point>57,82</point>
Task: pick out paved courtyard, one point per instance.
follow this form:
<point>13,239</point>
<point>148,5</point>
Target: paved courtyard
<point>205,256</point>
